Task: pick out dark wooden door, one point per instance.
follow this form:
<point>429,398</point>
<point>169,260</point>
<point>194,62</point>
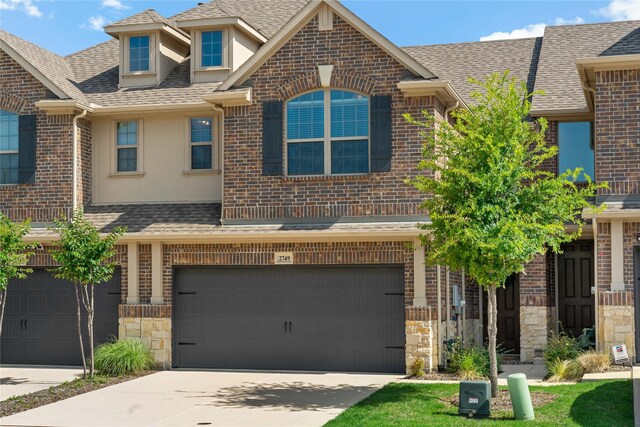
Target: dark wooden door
<point>636,287</point>
<point>576,303</point>
<point>508,303</point>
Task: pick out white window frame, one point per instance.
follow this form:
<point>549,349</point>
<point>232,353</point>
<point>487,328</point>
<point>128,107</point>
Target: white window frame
<point>214,144</point>
<point>327,133</point>
<point>127,55</point>
<point>197,50</point>
<point>115,147</point>
<point>13,151</point>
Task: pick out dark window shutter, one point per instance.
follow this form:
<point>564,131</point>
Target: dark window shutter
<point>27,149</point>
<point>272,138</point>
<point>381,133</point>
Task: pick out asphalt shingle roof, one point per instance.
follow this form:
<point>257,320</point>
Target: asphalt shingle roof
<point>455,63</point>
<point>53,67</point>
<point>266,16</point>
<point>148,16</point>
<point>202,219</point>
<point>562,45</point>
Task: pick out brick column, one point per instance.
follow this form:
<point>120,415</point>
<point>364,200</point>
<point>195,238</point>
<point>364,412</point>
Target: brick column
<point>534,309</point>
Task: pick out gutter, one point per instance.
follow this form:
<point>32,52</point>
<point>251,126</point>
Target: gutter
<point>75,157</point>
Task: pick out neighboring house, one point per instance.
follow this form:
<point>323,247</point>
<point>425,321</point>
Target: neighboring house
<point>257,154</point>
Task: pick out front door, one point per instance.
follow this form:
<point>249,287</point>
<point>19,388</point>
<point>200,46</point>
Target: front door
<point>508,307</point>
<point>636,288</point>
<point>576,303</point>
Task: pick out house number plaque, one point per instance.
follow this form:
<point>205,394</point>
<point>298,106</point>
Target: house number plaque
<point>283,258</point>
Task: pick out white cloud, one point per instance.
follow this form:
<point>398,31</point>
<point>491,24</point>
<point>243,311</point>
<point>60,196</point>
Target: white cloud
<point>621,10</point>
<point>26,6</point>
<point>532,30</point>
<point>95,23</point>
<point>114,4</point>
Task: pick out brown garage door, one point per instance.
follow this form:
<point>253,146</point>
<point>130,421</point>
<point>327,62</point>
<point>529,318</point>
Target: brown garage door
<point>40,325</point>
<point>290,318</point>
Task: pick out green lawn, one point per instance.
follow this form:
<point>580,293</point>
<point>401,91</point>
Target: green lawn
<point>605,403</point>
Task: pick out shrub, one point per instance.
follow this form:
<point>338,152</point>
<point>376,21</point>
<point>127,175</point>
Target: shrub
<point>560,347</point>
<point>565,370</point>
<point>471,363</point>
<point>417,368</point>
<point>122,357</point>
<point>593,361</point>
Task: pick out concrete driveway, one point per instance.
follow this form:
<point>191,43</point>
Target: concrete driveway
<point>190,398</point>
<point>18,380</point>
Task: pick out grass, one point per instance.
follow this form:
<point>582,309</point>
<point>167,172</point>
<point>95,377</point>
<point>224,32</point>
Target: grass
<point>603,403</point>
<point>122,357</point>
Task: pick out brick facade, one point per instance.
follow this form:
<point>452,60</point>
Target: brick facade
<point>51,194</point>
<point>618,131</point>
<point>359,65</point>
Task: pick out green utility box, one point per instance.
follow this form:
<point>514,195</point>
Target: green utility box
<point>475,398</point>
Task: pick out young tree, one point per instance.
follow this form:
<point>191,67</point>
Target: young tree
<point>14,254</point>
<point>492,204</point>
<point>84,259</point>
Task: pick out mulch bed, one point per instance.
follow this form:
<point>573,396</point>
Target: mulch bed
<point>502,403</point>
<point>63,391</point>
<point>618,368</point>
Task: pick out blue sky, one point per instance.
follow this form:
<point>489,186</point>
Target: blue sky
<point>66,26</point>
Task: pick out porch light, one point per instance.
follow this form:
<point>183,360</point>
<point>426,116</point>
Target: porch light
<point>638,237</point>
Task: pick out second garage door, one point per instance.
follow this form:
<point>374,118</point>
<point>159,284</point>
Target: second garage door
<point>290,318</point>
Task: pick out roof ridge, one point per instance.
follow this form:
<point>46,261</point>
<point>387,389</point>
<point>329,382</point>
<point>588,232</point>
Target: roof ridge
<point>69,56</point>
<point>585,24</point>
<point>472,43</point>
<point>33,44</point>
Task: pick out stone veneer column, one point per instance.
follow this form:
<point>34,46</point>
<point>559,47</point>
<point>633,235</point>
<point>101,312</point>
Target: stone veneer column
<point>421,338</point>
<point>150,324</point>
<point>534,310</point>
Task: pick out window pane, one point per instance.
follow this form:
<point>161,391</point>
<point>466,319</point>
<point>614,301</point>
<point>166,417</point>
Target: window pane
<point>127,159</point>
<point>349,114</point>
<point>8,168</point>
<point>201,157</point>
<point>305,158</point>
<point>574,141</point>
<point>8,131</point>
<point>212,49</point>
<point>201,130</point>
<point>127,133</point>
<point>139,53</point>
<point>305,116</point>
<point>349,157</point>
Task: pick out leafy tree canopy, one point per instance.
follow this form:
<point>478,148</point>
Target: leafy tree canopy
<point>84,256</point>
<point>493,205</point>
<point>14,251</point>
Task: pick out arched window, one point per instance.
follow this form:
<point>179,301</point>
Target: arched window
<point>8,147</point>
<point>328,133</point>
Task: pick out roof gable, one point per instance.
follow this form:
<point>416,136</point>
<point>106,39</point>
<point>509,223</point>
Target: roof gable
<point>557,73</point>
<point>303,17</point>
<point>51,70</point>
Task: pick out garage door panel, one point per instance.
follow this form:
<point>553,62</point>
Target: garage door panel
<point>320,318</point>
<point>40,320</point>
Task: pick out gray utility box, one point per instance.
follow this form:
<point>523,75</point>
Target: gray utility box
<point>475,398</point>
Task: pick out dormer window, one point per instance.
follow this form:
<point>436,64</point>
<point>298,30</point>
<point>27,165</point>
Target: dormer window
<point>139,53</point>
<point>212,49</point>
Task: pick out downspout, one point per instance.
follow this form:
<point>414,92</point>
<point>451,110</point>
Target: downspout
<point>75,158</point>
<point>447,284</point>
<point>450,109</point>
<point>594,223</point>
<point>219,110</point>
<point>439,302</point>
<point>464,308</point>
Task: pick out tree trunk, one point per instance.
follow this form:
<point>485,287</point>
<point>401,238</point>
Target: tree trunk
<point>492,316</point>
<point>87,299</point>
<point>90,313</point>
<point>84,360</point>
<point>3,301</point>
